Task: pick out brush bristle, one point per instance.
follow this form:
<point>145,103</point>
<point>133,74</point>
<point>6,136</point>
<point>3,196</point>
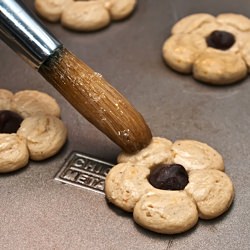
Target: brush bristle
<point>97,100</point>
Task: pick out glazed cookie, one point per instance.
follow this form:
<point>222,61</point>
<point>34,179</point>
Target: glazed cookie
<point>158,151</point>
<point>214,49</point>
<point>29,128</point>
<point>168,195</point>
<point>196,155</point>
<point>86,15</point>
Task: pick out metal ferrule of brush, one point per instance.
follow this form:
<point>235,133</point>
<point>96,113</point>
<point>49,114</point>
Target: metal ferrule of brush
<point>21,31</point>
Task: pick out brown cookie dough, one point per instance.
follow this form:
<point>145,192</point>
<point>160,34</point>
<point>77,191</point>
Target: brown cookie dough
<point>84,15</point>
<point>214,49</point>
<point>29,128</point>
<point>167,195</point>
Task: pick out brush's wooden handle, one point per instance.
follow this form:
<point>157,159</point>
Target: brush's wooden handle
<point>97,101</point>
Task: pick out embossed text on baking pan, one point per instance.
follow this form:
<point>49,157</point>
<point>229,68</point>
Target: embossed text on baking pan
<point>84,171</point>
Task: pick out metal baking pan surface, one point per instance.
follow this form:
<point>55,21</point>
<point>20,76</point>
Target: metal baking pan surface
<point>44,207</point>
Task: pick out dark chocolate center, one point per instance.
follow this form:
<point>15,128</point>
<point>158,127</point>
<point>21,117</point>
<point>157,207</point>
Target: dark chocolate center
<point>219,39</point>
<point>9,121</point>
<point>169,177</point>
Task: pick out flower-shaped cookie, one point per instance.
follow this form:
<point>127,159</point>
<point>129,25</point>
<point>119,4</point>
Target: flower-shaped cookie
<point>168,186</point>
<point>29,128</point>
<point>215,49</point>
<point>85,15</point>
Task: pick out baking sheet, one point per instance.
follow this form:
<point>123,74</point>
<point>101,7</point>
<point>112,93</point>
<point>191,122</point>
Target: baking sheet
<point>38,212</point>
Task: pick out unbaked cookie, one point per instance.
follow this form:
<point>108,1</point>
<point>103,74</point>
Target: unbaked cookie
<point>31,102</point>
<point>14,152</point>
<point>5,99</point>
<point>214,49</point>
<point>45,135</point>
<point>168,195</point>
<point>29,128</point>
<point>86,15</point>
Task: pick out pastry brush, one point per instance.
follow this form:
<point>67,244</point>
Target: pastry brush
<point>87,91</point>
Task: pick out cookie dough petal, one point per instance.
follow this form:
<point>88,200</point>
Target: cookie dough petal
<point>212,190</point>
<point>51,9</point>
<point>120,9</point>
<point>191,23</point>
<point>14,153</point>
<point>158,151</point>
<point>207,29</point>
<point>181,50</point>
<point>31,102</point>
<point>219,67</point>
<point>196,155</point>
<point>236,20</point>
<point>245,52</point>
<point>125,184</point>
<point>45,135</point>
<point>5,99</point>
<point>85,16</point>
<point>166,212</point>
